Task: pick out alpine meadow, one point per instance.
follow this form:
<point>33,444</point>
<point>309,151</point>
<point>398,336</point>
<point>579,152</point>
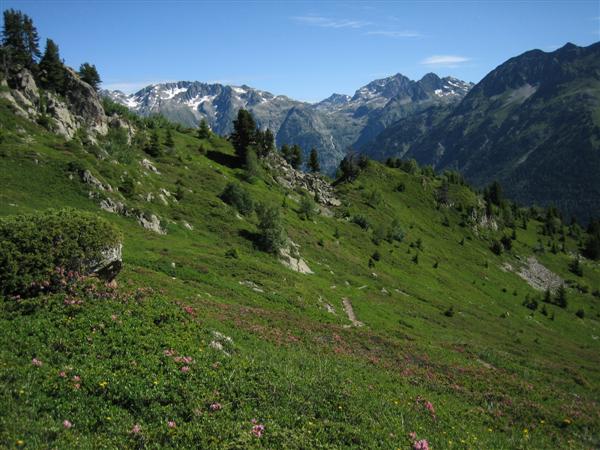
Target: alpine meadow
<point>208,265</point>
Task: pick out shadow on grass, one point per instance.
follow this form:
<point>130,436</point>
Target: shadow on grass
<point>231,161</point>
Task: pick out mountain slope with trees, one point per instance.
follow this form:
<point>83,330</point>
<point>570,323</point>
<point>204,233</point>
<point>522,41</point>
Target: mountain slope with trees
<point>260,306</point>
<point>533,123</point>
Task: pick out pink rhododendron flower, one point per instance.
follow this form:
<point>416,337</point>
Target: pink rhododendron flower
<point>421,445</point>
<point>136,429</point>
<point>77,385</point>
<point>259,429</point>
<point>171,424</point>
<point>76,378</point>
<point>114,317</point>
<point>67,424</point>
<point>185,369</point>
<point>215,406</point>
<point>429,407</point>
<point>62,374</point>
<point>36,362</point>
<point>412,435</point>
<point>169,352</point>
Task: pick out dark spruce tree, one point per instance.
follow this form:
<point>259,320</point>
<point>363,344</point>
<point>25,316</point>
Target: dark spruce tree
<point>52,70</point>
<point>265,142</point>
<point>203,130</point>
<point>169,142</point>
<point>244,133</point>
<point>296,156</point>
<point>90,75</point>
<point>20,41</point>
<point>313,161</point>
<point>153,147</point>
<point>286,153</point>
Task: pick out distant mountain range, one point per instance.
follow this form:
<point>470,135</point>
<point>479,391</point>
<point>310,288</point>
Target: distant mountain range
<point>533,124</point>
<point>331,126</point>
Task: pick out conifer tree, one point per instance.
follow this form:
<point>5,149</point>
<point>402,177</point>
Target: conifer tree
<point>169,139</point>
<point>561,296</point>
<point>313,161</point>
<point>89,74</point>
<point>296,156</point>
<point>203,130</point>
<point>266,142</point>
<point>52,70</point>
<point>286,152</point>
<point>13,38</point>
<point>153,148</point>
<point>32,42</point>
<point>244,133</point>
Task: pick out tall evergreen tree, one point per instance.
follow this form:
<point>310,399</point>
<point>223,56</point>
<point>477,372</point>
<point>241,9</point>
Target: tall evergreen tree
<point>561,296</point>
<point>153,147</point>
<point>52,70</point>
<point>13,38</point>
<point>32,42</point>
<point>203,130</point>
<point>286,153</point>
<point>169,142</point>
<point>313,161</point>
<point>266,142</point>
<point>89,74</point>
<point>296,157</point>
<point>244,133</point>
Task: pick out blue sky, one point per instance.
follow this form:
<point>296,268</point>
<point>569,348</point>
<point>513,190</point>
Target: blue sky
<point>306,50</point>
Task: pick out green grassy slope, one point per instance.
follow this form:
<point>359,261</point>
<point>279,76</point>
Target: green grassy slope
<point>497,375</point>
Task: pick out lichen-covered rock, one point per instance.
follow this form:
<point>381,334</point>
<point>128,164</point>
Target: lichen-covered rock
<point>151,222</point>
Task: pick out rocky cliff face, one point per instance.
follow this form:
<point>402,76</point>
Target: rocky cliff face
<point>79,108</point>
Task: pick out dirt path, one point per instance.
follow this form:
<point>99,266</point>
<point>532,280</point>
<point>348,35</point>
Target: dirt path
<point>350,313</point>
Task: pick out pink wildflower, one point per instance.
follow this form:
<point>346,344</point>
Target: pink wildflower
<point>169,352</point>
<point>136,429</point>
<point>421,445</point>
<point>412,435</point>
<point>254,421</point>
<point>113,316</point>
<point>67,424</point>
<point>36,362</point>
<point>76,378</point>
<point>216,406</point>
<point>429,407</point>
<point>185,369</point>
<point>259,429</point>
<point>77,385</point>
<point>187,359</point>
<point>62,374</point>
<point>171,424</point>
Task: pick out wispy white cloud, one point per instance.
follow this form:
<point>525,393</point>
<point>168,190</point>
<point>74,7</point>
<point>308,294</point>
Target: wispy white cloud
<point>445,60</point>
<point>395,34</point>
<point>325,22</point>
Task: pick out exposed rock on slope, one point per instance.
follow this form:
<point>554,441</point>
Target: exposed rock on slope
<point>316,185</point>
<point>80,108</point>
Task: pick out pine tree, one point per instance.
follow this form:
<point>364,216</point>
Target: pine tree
<point>89,74</point>
<point>561,296</point>
<point>296,156</point>
<point>153,148</point>
<point>313,161</point>
<point>169,142</point>
<point>13,38</point>
<point>286,152</point>
<point>266,142</point>
<point>244,133</point>
<point>203,130</point>
<point>32,42</point>
<point>52,70</point>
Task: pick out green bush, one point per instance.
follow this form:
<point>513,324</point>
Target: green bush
<point>361,221</point>
<point>271,236</point>
<point>36,248</point>
<point>236,196</point>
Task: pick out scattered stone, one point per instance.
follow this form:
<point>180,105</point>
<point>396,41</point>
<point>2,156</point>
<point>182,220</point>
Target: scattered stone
<point>187,225</point>
<point>252,285</point>
<point>88,178</point>
<point>294,262</point>
<point>293,179</point>
<point>151,223</point>
<point>350,313</point>
<point>538,276</point>
<point>112,206</point>
<point>147,164</point>
<point>384,291</point>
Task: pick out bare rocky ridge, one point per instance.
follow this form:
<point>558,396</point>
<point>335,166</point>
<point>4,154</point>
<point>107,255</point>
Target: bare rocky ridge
<point>81,108</point>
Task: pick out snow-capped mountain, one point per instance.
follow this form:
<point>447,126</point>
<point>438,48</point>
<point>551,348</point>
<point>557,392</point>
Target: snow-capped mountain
<point>331,126</point>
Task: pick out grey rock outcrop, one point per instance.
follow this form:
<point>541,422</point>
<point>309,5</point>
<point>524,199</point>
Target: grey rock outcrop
<point>317,186</point>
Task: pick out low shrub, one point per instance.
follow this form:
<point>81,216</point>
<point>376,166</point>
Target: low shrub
<point>36,250</point>
<point>236,196</point>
